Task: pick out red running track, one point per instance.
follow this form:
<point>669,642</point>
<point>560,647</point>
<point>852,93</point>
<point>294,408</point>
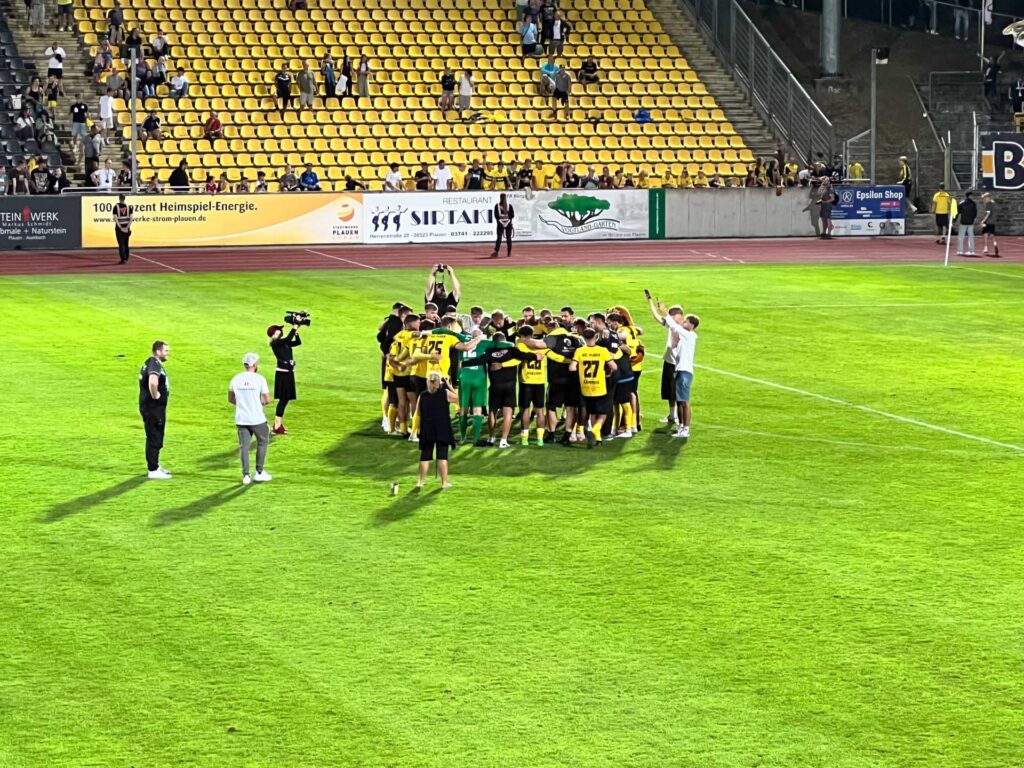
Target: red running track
<point>913,249</point>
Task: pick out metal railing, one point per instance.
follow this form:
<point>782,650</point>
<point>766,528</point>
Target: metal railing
<point>772,89</point>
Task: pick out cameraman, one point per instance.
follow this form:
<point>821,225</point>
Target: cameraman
<point>436,293</point>
<point>284,373</point>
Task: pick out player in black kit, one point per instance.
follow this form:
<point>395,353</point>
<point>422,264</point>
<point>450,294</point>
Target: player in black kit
<point>153,392</point>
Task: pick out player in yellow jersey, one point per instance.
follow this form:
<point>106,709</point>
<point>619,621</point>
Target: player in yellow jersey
<point>402,348</point>
<point>533,375</point>
<point>621,322</point>
<point>594,363</point>
<point>439,347</point>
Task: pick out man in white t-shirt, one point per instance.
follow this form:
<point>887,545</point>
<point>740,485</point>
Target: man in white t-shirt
<point>465,91</point>
<point>442,176</point>
<point>55,66</point>
<point>393,181</point>
<point>104,177</point>
<point>683,339</point>
<point>249,393</point>
<point>107,110</point>
<point>668,369</point>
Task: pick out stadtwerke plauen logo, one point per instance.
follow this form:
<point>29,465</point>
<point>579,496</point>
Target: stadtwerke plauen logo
<point>579,214</point>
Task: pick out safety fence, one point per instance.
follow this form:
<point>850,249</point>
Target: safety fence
<point>369,218</point>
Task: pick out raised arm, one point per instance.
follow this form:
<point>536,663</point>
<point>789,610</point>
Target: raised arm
<point>456,286</point>
<point>428,292</point>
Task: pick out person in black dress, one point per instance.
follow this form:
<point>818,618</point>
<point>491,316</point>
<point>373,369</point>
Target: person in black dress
<point>346,70</point>
<point>504,217</point>
<point>436,433</point>
<point>284,373</point>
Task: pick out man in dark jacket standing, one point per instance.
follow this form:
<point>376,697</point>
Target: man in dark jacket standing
<point>967,214</point>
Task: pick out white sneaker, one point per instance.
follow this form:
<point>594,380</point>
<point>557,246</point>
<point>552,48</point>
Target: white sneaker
<point>413,437</point>
<point>665,420</point>
<point>263,477</point>
<point>246,480</point>
<point>684,432</point>
<point>159,474</point>
<point>625,435</point>
<point>446,485</point>
<point>384,424</point>
<point>504,444</point>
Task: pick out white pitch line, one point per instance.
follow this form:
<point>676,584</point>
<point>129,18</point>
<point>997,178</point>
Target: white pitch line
<point>864,408</point>
<point>991,272</point>
<point>338,258</point>
<point>158,263</point>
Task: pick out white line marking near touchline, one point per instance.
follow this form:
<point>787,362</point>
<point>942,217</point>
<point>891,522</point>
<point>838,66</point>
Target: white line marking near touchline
<point>848,404</point>
<point>338,258</point>
<point>865,408</point>
<point>158,263</point>
<point>992,272</point>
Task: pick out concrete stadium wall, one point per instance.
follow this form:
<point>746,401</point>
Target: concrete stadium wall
<point>711,213</point>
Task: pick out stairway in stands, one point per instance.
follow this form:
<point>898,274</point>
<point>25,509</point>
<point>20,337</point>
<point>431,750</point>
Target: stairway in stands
<point>713,73</point>
<point>76,80</point>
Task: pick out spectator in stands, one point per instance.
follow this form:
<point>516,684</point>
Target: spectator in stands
<point>160,73</point>
<point>525,178</point>
<point>58,181</point>
<point>141,65</point>
<point>548,70</point>
<point>571,179</point>
<point>992,67</point>
<point>35,97</point>
<point>242,187</point>
<point>283,86</point>
<point>618,180</point>
<point>117,84</point>
<point>346,75</point>
<point>297,5</point>
<point>210,187</point>
<point>261,182</point>
<point>422,178</point>
<point>37,17</point>
<point>213,129</point>
<point>528,33</point>
<point>25,126</point>
<point>107,111</point>
<point>643,181</point>
<point>363,73</point>
<point>465,91</point>
<point>104,61</point>
<point>153,187</point>
<point>563,86</point>
<point>961,20</point>
<point>309,181</point>
<point>330,78</point>
<point>447,100</point>
<point>64,8</point>
<point>458,176</point>
<point>79,129</point>
<point>606,180</point>
<point>18,179</point>
<point>491,176</point>
<point>307,87</point>
<point>115,24</point>
<point>630,183</point>
<point>151,128</point>
<point>547,21</point>
<point>560,30</point>
<point>855,171</point>
<point>351,185</point>
<point>103,178</point>
<point>132,45</point>
<point>179,84</point>
<point>125,176</point>
<point>442,176</point>
<point>53,93</point>
<point>179,180</point>
<point>289,181</point>
<point>773,174</point>
<point>46,132</point>
<point>790,171</point>
<point>393,180</point>
<point>588,72</point>
<point>159,45</point>
<point>147,84</point>
<point>474,176</point>
<point>223,187</point>
<point>521,6</point>
<point>906,180</point>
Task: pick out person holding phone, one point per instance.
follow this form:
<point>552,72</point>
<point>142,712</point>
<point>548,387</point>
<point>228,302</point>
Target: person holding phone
<point>435,429</point>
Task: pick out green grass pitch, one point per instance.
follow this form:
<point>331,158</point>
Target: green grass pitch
<point>805,583</point>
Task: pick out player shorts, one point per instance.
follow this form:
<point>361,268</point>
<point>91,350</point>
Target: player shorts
<point>598,406</point>
<point>988,229</point>
<point>941,220</point>
<point>573,396</point>
<point>668,382</point>
<point>683,381</point>
<point>531,394</point>
<point>427,448</point>
<point>472,392</point>
<point>419,384</point>
<point>392,393</point>
<point>404,382</point>
<point>557,391</point>
<point>623,391</point>
<point>502,396</point>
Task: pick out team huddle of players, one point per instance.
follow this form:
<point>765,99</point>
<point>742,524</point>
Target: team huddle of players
<point>564,369</point>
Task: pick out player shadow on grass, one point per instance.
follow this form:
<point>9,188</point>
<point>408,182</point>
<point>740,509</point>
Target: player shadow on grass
<point>83,503</point>
<point>199,507</point>
<point>368,452</point>
<point>405,506</point>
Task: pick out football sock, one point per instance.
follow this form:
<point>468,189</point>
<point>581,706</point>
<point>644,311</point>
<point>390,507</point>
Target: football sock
<point>462,427</point>
<point>627,416</point>
<point>596,432</point>
<point>392,415</point>
<point>540,435</point>
<point>416,422</point>
<point>478,425</point>
<point>384,403</point>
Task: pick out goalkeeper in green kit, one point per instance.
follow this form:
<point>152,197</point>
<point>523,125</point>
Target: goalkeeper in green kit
<point>473,384</point>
